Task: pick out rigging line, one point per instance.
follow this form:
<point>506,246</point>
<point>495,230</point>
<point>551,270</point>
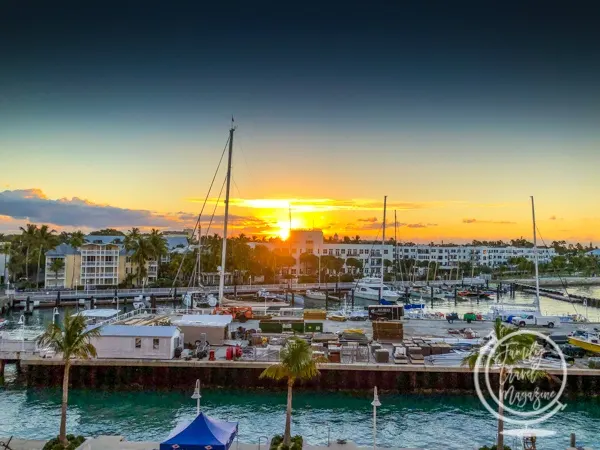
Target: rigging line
<point>563,282</point>
<point>372,246</point>
<point>215,208</point>
<point>201,211</point>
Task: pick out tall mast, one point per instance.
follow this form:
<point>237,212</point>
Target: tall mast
<point>224,250</point>
<point>535,257</point>
<point>290,247</point>
<point>383,236</point>
<point>199,254</point>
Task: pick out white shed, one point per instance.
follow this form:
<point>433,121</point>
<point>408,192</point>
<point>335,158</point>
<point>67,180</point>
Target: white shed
<point>214,327</point>
<point>137,342</point>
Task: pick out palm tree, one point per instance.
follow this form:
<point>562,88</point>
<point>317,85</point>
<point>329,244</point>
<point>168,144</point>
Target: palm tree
<point>73,342</point>
<point>514,348</point>
<point>45,240</point>
<point>296,363</point>
<point>142,251</point>
<point>159,247</point>
<point>56,266</point>
<point>28,238</point>
<point>131,237</point>
<point>77,239</point>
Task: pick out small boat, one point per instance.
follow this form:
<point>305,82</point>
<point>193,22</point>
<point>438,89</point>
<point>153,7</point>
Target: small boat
<point>315,295</point>
<point>373,289</point>
<point>586,340</point>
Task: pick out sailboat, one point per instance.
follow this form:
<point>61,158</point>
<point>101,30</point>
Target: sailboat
<point>505,311</point>
<point>371,288</point>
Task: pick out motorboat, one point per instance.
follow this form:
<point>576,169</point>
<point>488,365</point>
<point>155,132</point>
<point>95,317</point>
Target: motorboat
<point>373,289</point>
<point>316,295</point>
<point>425,292</point>
<point>199,299</point>
<point>586,340</point>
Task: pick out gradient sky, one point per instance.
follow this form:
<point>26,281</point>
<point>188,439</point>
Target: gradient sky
<point>116,113</point>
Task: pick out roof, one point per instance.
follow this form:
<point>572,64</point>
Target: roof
<point>176,240</point>
<point>98,313</point>
<point>203,432</point>
<point>595,252</point>
<point>95,239</point>
<point>61,250</point>
<point>213,320</point>
<point>138,331</point>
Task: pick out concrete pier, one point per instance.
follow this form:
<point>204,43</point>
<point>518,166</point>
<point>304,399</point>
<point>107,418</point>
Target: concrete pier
<point>130,374</point>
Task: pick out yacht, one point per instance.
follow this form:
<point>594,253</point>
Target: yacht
<point>198,299</point>
<point>369,289</point>
<point>315,295</point>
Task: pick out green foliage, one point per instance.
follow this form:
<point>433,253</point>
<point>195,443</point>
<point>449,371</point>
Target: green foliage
<point>55,444</point>
<point>494,447</point>
<point>277,443</point>
<point>73,340</point>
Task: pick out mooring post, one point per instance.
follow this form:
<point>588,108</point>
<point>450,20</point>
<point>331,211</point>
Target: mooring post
<point>293,299</point>
<point>326,299</point>
<point>352,298</point>
<point>572,440</point>
<point>57,302</point>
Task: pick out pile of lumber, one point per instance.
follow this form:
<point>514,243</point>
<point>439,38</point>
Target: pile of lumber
<point>315,314</point>
<point>389,331</point>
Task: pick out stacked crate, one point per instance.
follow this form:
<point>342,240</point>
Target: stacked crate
<point>388,331</point>
<point>315,314</point>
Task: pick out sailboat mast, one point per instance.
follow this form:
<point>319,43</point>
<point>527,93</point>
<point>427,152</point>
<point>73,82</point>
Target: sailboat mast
<point>199,255</point>
<point>535,257</point>
<point>383,237</point>
<point>224,249</point>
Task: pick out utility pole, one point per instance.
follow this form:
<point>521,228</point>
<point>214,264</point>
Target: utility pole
<point>224,249</point>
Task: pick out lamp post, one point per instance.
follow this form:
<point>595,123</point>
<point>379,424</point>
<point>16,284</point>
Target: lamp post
<point>197,396</point>
<point>55,316</point>
<point>22,323</point>
<point>375,404</point>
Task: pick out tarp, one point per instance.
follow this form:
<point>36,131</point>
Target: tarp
<point>204,433</point>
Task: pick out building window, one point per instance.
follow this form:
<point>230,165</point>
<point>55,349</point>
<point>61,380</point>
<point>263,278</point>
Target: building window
<point>343,251</point>
<point>325,251</point>
<point>155,343</point>
<point>385,252</point>
<point>138,342</point>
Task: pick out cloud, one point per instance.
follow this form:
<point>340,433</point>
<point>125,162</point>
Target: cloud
<point>33,205</point>
<point>552,218</point>
<point>368,219</point>
<point>498,222</point>
<point>390,225</point>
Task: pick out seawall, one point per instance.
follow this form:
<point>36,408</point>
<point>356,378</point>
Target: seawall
<point>152,375</point>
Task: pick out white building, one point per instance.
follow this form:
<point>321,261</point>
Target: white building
<point>373,254</point>
<point>137,342</point>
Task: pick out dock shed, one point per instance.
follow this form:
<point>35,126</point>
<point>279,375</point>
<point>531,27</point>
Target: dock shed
<point>196,326</point>
<point>137,342</point>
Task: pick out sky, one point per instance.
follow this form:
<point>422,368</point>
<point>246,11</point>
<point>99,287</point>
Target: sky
<point>115,114</point>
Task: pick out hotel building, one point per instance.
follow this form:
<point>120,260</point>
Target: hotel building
<point>101,261</point>
<point>373,254</point>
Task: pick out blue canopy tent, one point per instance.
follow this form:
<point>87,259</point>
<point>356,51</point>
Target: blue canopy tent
<point>203,433</point>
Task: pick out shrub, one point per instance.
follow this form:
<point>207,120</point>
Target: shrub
<point>277,443</point>
<point>494,447</point>
<point>74,442</point>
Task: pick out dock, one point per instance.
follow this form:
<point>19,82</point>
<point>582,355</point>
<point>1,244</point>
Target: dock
<point>560,295</point>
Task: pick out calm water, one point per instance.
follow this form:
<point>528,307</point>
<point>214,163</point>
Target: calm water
<point>432,422</point>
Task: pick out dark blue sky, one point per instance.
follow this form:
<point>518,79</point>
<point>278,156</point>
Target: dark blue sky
<point>507,92</point>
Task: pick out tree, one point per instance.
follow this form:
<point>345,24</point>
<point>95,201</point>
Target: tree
<point>354,263</point>
<point>56,266</point>
<point>72,342</point>
<point>109,232</point>
<point>77,239</point>
<point>309,260</point>
<point>296,363</point>
<point>28,238</point>
<point>45,240</point>
<point>356,239</point>
<point>514,349</point>
<point>158,246</point>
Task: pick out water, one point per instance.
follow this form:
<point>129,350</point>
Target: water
<point>434,422</point>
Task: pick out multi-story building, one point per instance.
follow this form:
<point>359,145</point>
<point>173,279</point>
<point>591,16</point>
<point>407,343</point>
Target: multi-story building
<point>373,255</point>
<point>101,261</point>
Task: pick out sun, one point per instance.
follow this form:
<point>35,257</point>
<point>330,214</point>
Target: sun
<point>284,227</point>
